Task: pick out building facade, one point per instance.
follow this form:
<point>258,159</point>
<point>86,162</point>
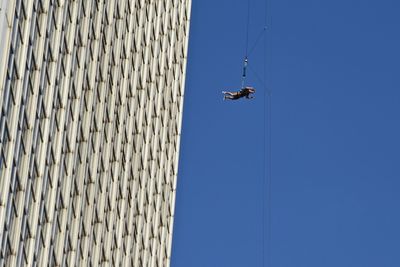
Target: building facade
<point>91,97</point>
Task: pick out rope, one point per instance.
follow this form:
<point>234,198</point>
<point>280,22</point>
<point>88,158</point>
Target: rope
<point>263,185</point>
<point>247,45</point>
<point>269,240</point>
<point>247,27</point>
<point>267,176</point>
<point>267,128</point>
<point>261,34</point>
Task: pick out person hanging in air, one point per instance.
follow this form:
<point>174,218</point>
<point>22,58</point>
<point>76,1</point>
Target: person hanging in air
<point>244,92</point>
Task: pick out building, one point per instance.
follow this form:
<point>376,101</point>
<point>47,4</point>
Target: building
<point>91,96</point>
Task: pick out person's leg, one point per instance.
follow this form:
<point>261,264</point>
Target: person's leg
<point>228,93</point>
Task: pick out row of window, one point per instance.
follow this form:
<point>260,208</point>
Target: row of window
<point>89,130</point>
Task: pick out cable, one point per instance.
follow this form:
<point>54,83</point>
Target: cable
<point>269,240</point>
<point>267,128</point>
<point>263,185</point>
<point>269,125</point>
<point>247,45</point>
<point>247,27</point>
<point>261,34</point>
<point>267,162</point>
<point>267,176</point>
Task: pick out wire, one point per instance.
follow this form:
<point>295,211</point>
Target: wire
<point>247,45</point>
<point>260,80</point>
<point>263,186</point>
<point>261,34</point>
<point>247,27</point>
<point>267,176</point>
<point>269,124</point>
<point>267,164</point>
<point>269,240</point>
<point>267,129</point>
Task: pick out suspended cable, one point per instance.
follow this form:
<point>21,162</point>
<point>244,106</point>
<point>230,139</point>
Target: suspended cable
<point>269,240</point>
<point>263,185</point>
<point>267,153</point>
<point>260,79</point>
<point>259,37</point>
<point>267,140</point>
<point>247,45</point>
<point>247,27</point>
<point>267,166</point>
<point>269,125</point>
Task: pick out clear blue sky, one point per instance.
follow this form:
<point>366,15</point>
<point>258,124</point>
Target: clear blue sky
<point>334,71</point>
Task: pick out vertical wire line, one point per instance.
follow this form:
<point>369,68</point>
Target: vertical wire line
<point>264,180</point>
<point>269,178</point>
<point>264,144</point>
<point>247,28</point>
<point>247,44</point>
<point>269,147</point>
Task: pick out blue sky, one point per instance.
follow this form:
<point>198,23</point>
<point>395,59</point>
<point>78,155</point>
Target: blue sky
<point>334,71</point>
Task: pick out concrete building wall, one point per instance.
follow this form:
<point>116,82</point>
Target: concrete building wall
<point>91,96</point>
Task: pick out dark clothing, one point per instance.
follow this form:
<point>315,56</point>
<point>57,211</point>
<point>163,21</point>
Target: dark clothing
<point>244,92</point>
